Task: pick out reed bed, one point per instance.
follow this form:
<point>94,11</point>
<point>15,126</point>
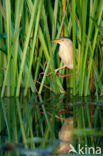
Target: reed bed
<point>27,55</point>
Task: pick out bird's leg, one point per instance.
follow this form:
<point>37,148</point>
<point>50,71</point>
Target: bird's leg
<point>56,70</point>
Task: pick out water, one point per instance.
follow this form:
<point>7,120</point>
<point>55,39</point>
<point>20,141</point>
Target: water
<point>51,124</point>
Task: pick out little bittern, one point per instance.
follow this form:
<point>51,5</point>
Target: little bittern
<point>66,51</point>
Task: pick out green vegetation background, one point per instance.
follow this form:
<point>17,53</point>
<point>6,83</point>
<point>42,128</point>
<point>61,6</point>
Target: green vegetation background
<point>28,59</point>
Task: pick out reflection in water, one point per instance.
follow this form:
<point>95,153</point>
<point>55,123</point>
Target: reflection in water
<point>7,147</point>
<point>65,135</point>
<point>23,119</point>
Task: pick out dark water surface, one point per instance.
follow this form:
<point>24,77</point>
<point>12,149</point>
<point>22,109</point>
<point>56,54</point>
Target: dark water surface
<point>50,125</point>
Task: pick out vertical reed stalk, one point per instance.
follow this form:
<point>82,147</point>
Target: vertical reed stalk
<point>74,44</point>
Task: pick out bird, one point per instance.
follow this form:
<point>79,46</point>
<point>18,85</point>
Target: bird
<point>66,51</point>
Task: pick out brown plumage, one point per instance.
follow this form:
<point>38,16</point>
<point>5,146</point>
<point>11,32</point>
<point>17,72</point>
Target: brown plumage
<point>66,51</point>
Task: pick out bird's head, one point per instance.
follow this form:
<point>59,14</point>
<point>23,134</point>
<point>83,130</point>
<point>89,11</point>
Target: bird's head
<point>61,41</point>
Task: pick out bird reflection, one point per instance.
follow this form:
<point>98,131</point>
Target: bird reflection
<point>65,134</point>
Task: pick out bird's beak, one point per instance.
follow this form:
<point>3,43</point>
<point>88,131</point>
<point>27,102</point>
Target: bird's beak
<point>56,40</point>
